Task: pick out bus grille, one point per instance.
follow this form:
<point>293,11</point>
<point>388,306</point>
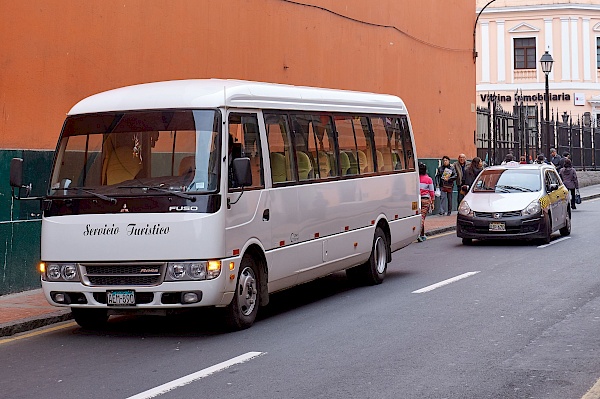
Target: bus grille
<point>114,274</point>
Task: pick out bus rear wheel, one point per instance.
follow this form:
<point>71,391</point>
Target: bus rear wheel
<point>373,271</point>
<point>92,319</point>
<point>242,310</point>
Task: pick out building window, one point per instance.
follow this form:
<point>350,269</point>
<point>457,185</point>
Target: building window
<point>525,53</point>
<point>598,52</point>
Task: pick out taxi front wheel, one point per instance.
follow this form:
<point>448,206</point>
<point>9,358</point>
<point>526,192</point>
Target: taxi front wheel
<point>566,230</point>
<point>548,230</point>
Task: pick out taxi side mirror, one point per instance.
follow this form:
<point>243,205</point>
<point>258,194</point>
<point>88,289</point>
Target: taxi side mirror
<point>553,187</point>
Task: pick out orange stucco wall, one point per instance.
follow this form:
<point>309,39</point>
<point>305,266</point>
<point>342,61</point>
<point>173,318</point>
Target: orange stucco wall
<point>55,52</point>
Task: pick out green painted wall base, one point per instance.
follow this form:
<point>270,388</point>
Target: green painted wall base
<point>20,222</point>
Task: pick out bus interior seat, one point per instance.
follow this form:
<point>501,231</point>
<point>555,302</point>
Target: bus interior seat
<point>278,169</point>
<point>380,162</point>
<point>353,170</point>
<point>304,166</point>
<point>187,165</point>
<point>344,163</point>
<point>122,165</point>
<point>324,164</point>
<point>362,162</point>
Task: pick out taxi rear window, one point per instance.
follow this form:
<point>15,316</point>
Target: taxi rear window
<point>508,181</point>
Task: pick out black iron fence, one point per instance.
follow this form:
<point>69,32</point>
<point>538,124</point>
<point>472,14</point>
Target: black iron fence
<point>524,133</point>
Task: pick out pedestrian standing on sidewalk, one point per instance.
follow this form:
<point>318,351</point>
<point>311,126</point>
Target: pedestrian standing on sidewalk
<point>445,177</point>
<point>471,173</point>
<point>555,159</point>
<point>427,195</point>
<point>460,167</point>
<point>569,178</point>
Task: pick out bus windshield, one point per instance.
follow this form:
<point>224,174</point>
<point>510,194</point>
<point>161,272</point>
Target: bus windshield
<point>135,152</point>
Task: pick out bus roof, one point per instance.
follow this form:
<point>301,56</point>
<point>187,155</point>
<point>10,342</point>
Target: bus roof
<point>213,93</point>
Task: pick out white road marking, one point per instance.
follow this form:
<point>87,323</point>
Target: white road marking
<point>445,282</point>
<point>554,242</point>
<point>169,386</point>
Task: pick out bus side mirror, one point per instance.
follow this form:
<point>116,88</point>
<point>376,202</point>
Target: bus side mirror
<point>16,178</point>
<point>242,172</point>
<point>16,172</point>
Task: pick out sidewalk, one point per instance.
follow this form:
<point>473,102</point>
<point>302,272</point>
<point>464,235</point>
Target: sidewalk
<point>29,310</point>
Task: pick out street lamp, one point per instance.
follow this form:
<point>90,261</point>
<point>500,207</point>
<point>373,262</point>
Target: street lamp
<point>546,62</point>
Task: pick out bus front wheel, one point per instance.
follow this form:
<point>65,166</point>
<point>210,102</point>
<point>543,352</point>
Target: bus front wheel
<point>242,310</point>
<point>92,319</point>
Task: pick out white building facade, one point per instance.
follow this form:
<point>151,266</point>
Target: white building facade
<point>512,35</point>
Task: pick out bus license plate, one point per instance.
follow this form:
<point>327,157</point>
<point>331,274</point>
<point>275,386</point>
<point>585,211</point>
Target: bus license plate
<point>126,297</point>
<point>497,226</point>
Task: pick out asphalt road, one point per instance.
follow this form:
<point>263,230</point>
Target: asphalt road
<point>520,321</point>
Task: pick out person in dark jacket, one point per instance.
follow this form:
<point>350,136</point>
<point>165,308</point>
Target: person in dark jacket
<point>569,178</point>
<point>445,177</point>
<point>472,171</point>
<point>460,167</point>
<point>555,159</point>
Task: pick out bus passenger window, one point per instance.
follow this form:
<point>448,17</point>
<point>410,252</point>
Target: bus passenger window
<point>383,145</point>
<point>347,145</point>
<point>280,149</point>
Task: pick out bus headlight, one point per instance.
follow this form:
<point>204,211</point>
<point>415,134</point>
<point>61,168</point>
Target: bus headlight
<point>69,272</point>
<point>197,271</point>
<point>61,272</point>
<point>177,270</point>
<point>193,270</point>
<point>53,272</point>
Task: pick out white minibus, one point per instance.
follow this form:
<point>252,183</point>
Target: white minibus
<point>179,194</point>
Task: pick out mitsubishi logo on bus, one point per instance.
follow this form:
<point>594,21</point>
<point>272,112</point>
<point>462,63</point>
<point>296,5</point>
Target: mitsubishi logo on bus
<point>183,208</point>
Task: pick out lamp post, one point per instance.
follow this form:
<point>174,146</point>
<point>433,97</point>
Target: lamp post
<point>546,62</point>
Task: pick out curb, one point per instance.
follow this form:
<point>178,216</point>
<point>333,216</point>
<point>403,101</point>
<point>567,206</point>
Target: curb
<point>31,323</point>
<point>434,232</point>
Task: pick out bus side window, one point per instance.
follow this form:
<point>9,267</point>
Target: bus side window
<point>278,137</point>
<point>383,145</point>
<point>307,165</point>
<point>364,141</point>
<point>347,145</point>
<point>408,152</point>
<point>243,128</point>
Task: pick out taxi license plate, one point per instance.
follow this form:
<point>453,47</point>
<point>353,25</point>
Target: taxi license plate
<point>497,226</point>
<point>126,297</point>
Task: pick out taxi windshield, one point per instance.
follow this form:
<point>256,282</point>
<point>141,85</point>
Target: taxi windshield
<point>508,181</point>
<point>138,152</point>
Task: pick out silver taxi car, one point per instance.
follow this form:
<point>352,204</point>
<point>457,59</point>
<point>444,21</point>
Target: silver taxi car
<point>515,201</point>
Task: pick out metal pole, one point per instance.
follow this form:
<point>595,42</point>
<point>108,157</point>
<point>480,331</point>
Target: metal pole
<point>547,147</point>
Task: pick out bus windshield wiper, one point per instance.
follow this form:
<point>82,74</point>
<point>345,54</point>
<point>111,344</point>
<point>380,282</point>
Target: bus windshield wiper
<point>518,188</point>
<point>163,190</point>
<point>88,191</point>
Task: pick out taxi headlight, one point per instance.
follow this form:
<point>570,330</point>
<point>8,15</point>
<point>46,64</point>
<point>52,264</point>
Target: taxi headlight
<point>464,209</point>
<point>532,209</point>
